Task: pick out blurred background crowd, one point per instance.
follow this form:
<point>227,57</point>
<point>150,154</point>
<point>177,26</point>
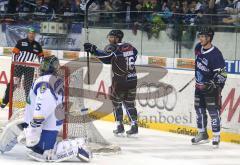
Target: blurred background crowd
<point>150,16</point>
<point>189,12</point>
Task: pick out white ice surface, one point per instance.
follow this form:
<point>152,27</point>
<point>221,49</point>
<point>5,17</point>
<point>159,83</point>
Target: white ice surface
<point>149,148</point>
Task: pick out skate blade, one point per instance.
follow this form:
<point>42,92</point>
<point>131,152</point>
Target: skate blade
<point>132,135</point>
<point>215,146</point>
<point>119,134</point>
<point>201,142</point>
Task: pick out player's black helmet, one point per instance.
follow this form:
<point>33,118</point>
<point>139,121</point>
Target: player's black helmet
<point>206,31</point>
<point>117,33</point>
<point>49,65</point>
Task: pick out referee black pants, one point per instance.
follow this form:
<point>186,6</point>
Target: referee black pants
<point>19,72</point>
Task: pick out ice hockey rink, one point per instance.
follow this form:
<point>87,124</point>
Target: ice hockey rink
<point>150,147</point>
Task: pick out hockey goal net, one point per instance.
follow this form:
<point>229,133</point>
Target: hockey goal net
<point>77,122</point>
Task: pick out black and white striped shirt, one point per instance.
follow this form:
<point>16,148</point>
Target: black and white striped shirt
<point>26,51</point>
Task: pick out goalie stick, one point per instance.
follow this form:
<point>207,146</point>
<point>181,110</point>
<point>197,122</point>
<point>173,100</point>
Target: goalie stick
<point>186,85</point>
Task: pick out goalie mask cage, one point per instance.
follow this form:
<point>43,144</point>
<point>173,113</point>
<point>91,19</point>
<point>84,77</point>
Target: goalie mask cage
<point>77,124</point>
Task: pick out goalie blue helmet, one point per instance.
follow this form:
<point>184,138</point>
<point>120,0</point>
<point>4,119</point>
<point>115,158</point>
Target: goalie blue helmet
<point>49,65</point>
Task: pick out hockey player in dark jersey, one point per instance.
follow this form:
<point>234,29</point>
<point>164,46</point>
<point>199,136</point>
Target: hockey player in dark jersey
<point>210,77</point>
<point>122,57</point>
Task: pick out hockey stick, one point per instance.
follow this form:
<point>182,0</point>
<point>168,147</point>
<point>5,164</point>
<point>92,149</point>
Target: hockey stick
<point>88,3</point>
<point>186,85</point>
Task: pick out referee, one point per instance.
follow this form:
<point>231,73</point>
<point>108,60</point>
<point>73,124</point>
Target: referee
<point>26,50</point>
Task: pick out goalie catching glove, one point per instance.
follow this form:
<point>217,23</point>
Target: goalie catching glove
<point>33,134</point>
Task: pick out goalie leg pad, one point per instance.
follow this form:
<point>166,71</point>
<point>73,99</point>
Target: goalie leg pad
<point>75,147</point>
<point>84,154</point>
<point>8,138</point>
<point>62,151</point>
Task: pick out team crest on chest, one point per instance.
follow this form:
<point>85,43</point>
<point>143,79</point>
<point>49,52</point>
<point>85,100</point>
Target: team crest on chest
<point>43,88</point>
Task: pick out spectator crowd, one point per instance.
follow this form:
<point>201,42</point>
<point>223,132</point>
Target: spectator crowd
<point>189,12</point>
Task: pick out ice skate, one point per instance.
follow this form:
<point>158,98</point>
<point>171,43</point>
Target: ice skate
<point>119,131</point>
<point>216,141</point>
<point>2,105</point>
<point>84,154</point>
<point>133,131</point>
<point>200,138</point>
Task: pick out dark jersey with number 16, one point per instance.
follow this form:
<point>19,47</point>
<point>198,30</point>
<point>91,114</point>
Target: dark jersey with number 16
<point>123,59</point>
<point>207,64</point>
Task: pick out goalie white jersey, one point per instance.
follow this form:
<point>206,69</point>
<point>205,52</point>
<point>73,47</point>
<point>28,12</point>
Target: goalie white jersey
<point>45,107</point>
<point>45,102</point>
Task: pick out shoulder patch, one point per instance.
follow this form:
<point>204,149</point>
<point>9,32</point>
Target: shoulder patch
<point>43,87</point>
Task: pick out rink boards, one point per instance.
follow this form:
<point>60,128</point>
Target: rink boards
<point>172,112</point>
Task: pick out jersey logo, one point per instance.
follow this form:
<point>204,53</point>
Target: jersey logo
<point>202,67</point>
<point>43,88</point>
<point>24,44</point>
<point>205,61</point>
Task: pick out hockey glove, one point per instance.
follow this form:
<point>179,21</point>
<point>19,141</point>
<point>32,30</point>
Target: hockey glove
<point>220,77</point>
<point>209,87</point>
<point>33,134</point>
<point>88,47</point>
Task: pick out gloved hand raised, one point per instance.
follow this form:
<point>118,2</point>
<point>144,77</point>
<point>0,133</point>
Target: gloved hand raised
<point>88,47</point>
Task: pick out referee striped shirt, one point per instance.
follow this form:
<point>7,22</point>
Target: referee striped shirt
<point>27,51</point>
